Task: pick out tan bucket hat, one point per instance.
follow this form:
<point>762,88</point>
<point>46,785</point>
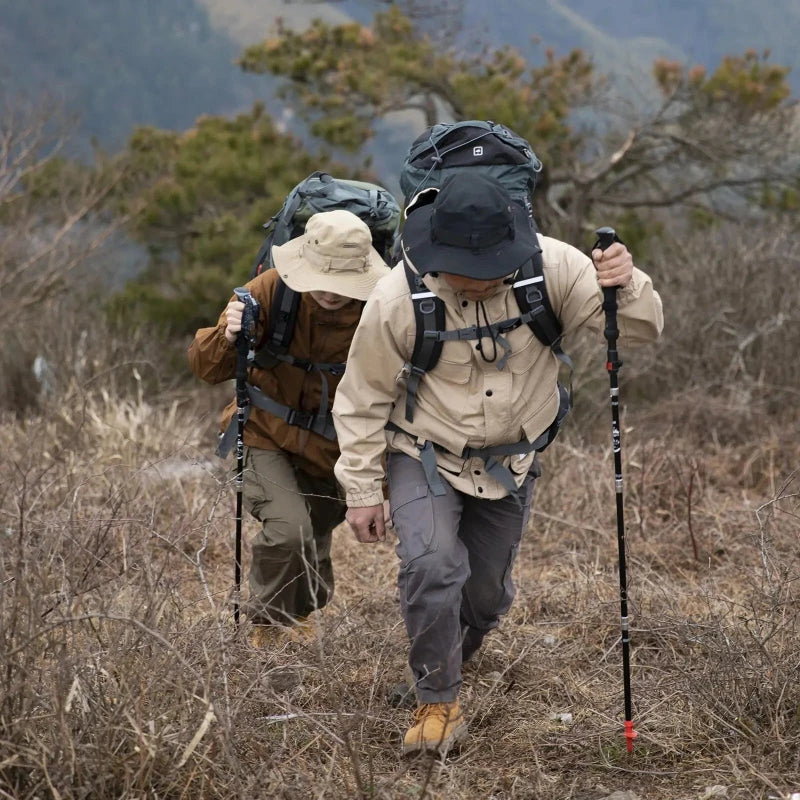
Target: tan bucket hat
<point>335,254</point>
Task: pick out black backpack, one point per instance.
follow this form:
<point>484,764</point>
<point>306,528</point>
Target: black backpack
<point>498,152</point>
<point>318,192</point>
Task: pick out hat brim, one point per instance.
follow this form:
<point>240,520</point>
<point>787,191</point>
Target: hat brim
<point>299,275</point>
<point>429,255</point>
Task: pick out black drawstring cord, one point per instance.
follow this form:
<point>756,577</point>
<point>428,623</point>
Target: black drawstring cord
<point>479,347</point>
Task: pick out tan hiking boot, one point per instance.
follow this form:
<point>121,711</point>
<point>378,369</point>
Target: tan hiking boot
<point>303,631</point>
<point>264,637</point>
<point>437,727</point>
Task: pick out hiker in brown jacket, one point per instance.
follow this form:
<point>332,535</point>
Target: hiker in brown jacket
<point>459,510</point>
<point>290,445</point>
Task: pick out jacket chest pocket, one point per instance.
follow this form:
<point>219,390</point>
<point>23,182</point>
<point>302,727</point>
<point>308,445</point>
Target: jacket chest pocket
<point>454,364</point>
<point>525,349</point>
<point>451,372</point>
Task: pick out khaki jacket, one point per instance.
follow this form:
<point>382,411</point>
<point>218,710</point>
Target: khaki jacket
<point>465,400</point>
<point>320,335</point>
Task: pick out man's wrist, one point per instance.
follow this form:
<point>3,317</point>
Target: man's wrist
<point>359,500</point>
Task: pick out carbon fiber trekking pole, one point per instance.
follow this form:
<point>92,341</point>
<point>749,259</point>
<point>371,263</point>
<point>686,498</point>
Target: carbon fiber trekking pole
<point>605,238</point>
<point>245,342</point>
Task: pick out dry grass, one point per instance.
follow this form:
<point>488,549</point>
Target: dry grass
<point>122,675</point>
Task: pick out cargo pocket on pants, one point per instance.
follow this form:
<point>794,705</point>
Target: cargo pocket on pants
<point>411,509</point>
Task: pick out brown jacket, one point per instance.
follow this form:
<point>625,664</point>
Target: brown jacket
<point>320,335</point>
<point>465,400</point>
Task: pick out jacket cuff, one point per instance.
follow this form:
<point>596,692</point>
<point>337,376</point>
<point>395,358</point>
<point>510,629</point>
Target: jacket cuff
<point>221,328</point>
<point>627,294</point>
<point>356,499</point>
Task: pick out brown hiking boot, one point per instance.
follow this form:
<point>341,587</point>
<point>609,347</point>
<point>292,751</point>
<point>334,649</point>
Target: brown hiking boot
<point>437,727</point>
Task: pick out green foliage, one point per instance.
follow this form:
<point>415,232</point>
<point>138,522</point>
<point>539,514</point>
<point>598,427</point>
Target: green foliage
<point>346,77</point>
<point>199,201</point>
<point>715,142</point>
<point>746,85</point>
<point>199,198</point>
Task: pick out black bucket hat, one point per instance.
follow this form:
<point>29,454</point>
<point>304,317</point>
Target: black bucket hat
<point>473,228</point>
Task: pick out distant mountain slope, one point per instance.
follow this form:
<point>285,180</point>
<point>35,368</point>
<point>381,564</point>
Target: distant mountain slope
<point>623,35</point>
<point>121,63</point>
<point>703,32</point>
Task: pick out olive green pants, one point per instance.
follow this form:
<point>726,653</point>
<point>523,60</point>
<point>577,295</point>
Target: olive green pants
<point>291,573</point>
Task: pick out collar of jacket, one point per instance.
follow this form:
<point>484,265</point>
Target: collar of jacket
<point>441,288</point>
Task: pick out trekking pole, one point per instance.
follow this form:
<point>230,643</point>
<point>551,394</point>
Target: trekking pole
<point>605,238</point>
<point>245,351</point>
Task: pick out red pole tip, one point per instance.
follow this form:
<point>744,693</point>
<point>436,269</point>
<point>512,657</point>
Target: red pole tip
<point>630,735</point>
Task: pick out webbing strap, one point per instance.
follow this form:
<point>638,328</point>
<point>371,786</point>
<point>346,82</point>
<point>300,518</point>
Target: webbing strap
<point>320,423</point>
<point>496,470</point>
<point>334,367</point>
<point>428,458</point>
<point>531,294</point>
<point>283,317</point>
<point>429,315</point>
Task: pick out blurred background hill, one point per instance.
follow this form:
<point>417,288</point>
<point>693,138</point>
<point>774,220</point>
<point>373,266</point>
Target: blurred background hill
<point>118,63</point>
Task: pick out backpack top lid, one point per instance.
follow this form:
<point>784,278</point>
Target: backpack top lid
<point>446,148</point>
<point>320,191</point>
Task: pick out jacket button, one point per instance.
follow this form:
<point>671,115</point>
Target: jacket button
<point>480,490</point>
<point>489,392</point>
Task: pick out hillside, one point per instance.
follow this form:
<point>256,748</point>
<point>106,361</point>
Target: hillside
<point>118,64</point>
<point>121,63</point>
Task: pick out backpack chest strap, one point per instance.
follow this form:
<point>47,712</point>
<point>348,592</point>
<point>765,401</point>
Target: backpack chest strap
<point>334,368</point>
<point>320,422</point>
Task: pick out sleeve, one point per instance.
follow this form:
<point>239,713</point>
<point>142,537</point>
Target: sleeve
<point>364,400</point>
<point>211,356</point>
<point>640,315</point>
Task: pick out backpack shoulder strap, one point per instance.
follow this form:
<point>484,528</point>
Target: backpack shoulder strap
<point>262,258</point>
<point>530,290</point>
<point>280,329</point>
<point>429,316</point>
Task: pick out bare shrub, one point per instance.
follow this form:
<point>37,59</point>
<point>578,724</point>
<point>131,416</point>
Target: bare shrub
<point>57,250</point>
<point>121,673</point>
<point>732,329</point>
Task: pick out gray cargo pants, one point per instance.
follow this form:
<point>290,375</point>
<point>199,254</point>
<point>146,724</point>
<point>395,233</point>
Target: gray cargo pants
<point>291,573</point>
<point>456,555</point>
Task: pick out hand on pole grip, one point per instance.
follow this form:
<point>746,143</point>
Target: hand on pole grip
<point>248,333</point>
<point>605,238</point>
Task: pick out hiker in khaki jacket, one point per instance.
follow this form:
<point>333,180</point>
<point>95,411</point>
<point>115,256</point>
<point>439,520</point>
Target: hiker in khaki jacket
<point>458,527</point>
<point>288,479</point>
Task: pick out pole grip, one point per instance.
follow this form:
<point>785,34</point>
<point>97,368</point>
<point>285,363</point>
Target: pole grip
<point>606,236</point>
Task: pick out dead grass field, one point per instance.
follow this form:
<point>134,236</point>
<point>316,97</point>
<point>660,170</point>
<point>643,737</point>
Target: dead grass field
<point>123,676</point>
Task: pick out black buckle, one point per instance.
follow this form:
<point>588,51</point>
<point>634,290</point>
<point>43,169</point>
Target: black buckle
<point>533,296</point>
<point>300,419</point>
<point>509,325</point>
